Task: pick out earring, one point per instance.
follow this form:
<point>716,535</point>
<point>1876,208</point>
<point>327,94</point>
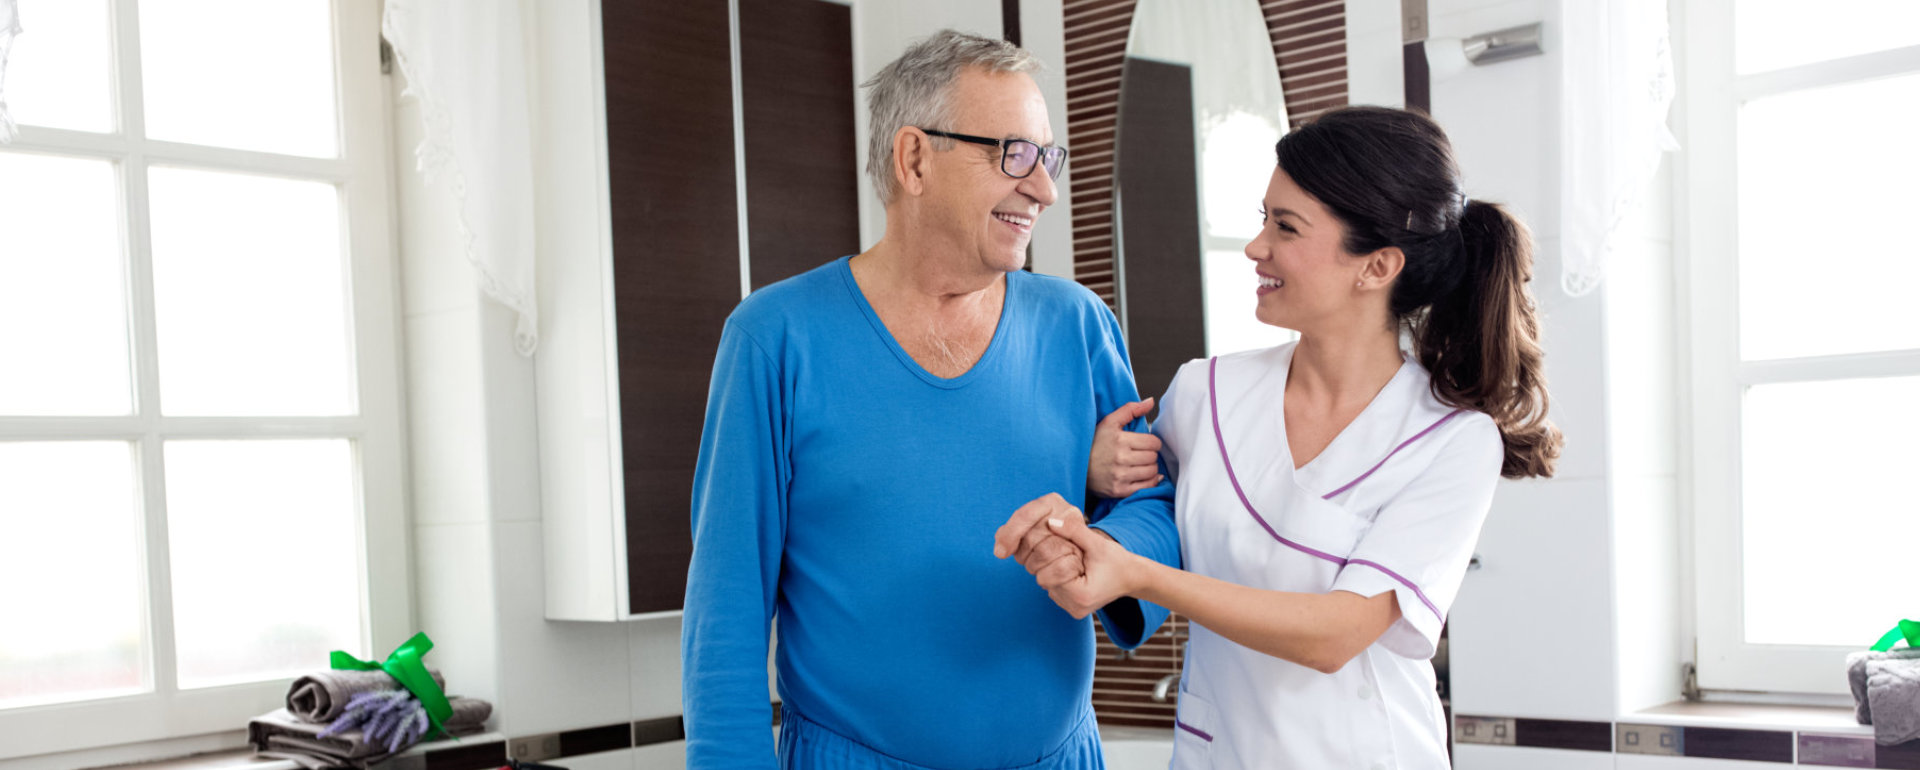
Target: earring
<point>1359,284</point>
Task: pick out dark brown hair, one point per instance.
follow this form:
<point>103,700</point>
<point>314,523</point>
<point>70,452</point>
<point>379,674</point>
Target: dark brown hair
<point>1390,177</point>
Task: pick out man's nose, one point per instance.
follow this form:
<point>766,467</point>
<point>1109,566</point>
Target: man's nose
<point>1040,186</point>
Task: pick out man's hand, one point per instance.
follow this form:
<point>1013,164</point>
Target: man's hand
<point>1026,538</point>
<point>1123,462</point>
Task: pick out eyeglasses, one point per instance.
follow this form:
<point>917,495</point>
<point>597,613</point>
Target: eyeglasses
<point>1018,157</point>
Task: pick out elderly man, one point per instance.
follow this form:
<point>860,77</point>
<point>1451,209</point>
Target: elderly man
<point>871,424</point>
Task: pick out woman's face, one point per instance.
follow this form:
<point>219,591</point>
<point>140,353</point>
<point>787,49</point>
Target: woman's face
<point>1306,278</point>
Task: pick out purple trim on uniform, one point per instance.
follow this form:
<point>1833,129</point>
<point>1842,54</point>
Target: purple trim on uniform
<point>1396,450</point>
<point>1417,593</point>
<point>1192,729</point>
<point>1213,404</point>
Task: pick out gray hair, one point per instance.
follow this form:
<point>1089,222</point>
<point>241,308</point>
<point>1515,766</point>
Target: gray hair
<point>917,90</point>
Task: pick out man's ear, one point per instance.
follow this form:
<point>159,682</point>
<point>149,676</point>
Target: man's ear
<point>912,160</point>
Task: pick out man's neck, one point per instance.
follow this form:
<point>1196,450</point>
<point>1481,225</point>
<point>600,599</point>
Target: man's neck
<point>922,275</point>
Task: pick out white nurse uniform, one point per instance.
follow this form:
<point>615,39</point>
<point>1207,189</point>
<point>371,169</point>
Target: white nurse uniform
<point>1394,503</point>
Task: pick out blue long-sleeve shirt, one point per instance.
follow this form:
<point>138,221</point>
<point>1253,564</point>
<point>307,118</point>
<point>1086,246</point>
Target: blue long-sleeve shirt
<point>850,494</point>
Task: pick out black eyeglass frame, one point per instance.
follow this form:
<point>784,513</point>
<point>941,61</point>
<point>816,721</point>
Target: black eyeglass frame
<point>1040,153</point>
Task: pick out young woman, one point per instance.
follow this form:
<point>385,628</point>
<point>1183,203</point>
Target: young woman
<point>1330,491</point>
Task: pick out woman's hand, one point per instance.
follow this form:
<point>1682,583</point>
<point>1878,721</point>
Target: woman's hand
<point>1109,570</point>
<point>1082,569</point>
<point>1123,462</point>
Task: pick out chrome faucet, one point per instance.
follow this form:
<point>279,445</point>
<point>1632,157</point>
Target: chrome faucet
<point>1161,687</point>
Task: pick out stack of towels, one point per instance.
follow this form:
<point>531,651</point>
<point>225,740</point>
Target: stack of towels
<point>304,731</point>
<point>1886,693</point>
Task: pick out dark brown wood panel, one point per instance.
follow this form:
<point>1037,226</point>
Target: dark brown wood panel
<point>1310,49</point>
<point>797,98</point>
<point>676,261</point>
<point>1096,44</point>
<point>1160,239</point>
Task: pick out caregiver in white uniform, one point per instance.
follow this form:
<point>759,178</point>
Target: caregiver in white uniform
<point>1330,491</point>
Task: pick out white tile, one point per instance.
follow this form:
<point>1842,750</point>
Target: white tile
<point>1463,18</point>
<point>446,434</point>
<point>653,650</point>
<point>513,437</point>
<point>1643,389</point>
<point>1531,632</point>
<point>453,580</point>
<point>553,675</point>
<point>1374,69</point>
<point>1374,15</point>
<point>661,756</point>
<point>1502,121</point>
<point>623,759</point>
<point>1467,756</point>
<point>1573,339</point>
<point>1647,598</point>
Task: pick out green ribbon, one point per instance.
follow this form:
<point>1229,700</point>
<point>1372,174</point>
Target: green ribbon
<point>405,666</point>
<point>1908,629</point>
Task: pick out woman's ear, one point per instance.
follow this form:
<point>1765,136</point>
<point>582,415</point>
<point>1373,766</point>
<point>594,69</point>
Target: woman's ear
<point>1383,266</point>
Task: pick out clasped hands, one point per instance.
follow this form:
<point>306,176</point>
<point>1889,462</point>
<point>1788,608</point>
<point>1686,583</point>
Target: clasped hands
<point>1083,569</point>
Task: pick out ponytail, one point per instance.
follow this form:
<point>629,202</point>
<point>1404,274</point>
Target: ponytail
<point>1480,340</point>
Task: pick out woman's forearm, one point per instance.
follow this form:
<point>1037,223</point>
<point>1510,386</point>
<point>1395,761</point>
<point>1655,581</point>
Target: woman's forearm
<point>1319,631</point>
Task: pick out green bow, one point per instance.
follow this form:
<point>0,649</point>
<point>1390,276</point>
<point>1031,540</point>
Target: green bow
<point>1908,629</point>
<point>404,665</point>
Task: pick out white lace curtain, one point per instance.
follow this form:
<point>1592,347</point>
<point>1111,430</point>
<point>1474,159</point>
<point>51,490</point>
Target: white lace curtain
<point>465,61</point>
<point>1617,85</point>
<point>9,27</point>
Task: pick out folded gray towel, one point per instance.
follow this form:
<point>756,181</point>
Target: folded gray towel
<point>321,696</point>
<point>279,733</point>
<point>1886,693</point>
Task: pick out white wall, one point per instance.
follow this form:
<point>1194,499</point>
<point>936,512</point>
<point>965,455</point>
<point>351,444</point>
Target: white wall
<point>1535,632</point>
<point>476,502</point>
<point>1576,612</point>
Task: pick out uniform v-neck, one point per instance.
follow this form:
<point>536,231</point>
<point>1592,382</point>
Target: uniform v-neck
<point>1339,439</point>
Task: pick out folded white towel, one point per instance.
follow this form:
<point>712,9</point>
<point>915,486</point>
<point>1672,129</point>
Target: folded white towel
<point>1886,693</point>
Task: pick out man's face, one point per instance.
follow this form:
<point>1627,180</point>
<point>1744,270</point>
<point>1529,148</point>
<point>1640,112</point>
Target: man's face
<point>973,203</point>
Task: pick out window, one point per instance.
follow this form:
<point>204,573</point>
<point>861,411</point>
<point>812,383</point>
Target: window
<point>1805,369</point>
<point>200,486</point>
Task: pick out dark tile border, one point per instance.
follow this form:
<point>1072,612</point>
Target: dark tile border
<point>593,740</point>
<point>476,757</point>
<point>663,730</point>
<point>1750,745</point>
<point>1815,749</point>
<point>1563,734</point>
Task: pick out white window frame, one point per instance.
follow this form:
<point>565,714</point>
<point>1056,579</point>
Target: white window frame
<point>1709,232</point>
<point>167,720</point>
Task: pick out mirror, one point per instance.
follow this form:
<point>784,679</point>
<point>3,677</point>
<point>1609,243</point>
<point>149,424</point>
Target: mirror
<point>1200,110</point>
<point>1201,105</point>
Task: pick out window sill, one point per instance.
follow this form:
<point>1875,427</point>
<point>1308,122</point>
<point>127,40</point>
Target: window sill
<point>246,759</point>
<point>1827,720</point>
